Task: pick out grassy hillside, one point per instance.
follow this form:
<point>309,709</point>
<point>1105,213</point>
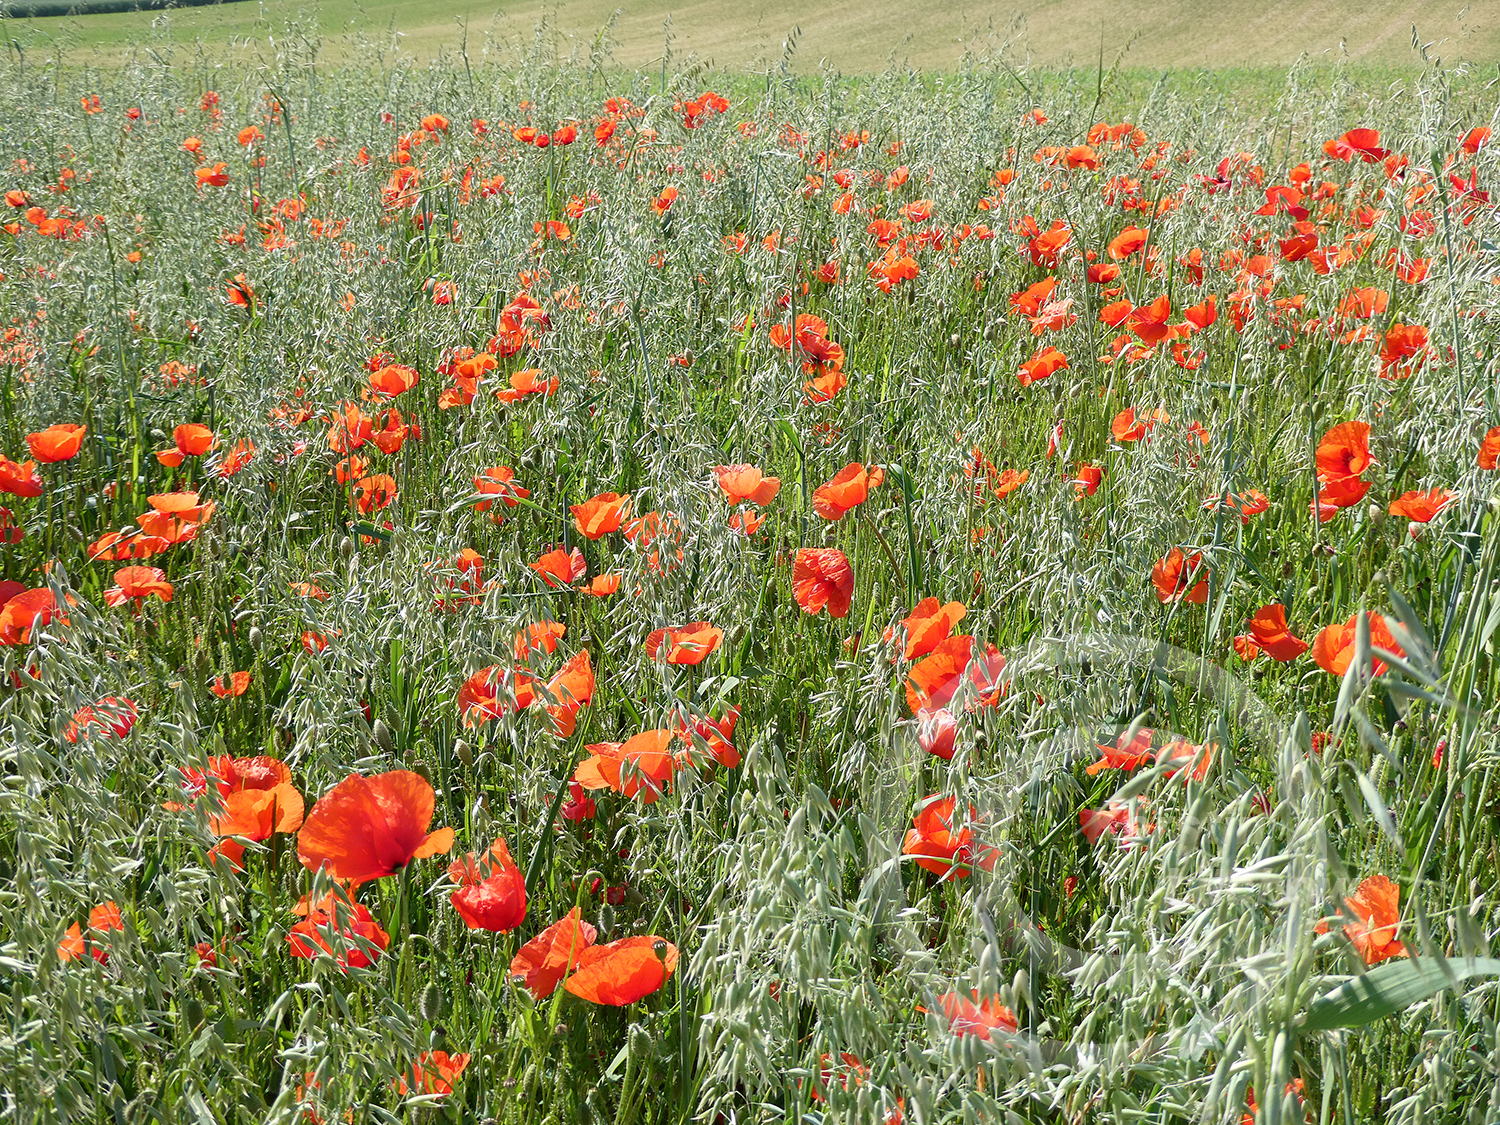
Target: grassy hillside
<point>848,35</point>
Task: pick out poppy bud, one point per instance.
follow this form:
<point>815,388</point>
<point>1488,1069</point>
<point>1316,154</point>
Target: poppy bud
<point>421,770</point>
<point>954,340</point>
<point>430,1002</point>
<point>1377,516</point>
<point>639,1039</point>
<point>192,1011</point>
<point>463,753</point>
<point>346,546</point>
<point>383,737</point>
<point>1021,987</point>
<point>254,638</point>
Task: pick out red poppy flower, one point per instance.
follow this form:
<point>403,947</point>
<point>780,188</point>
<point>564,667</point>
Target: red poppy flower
<point>492,890</point>
<point>623,971</point>
<point>1174,577</point>
<point>488,693</point>
<point>643,764</point>
<point>689,644</point>
<point>570,689</point>
<point>822,576</point>
<point>1376,904</point>
<point>929,624</point>
<point>498,482</point>
<point>603,514</point>
<point>19,479</point>
<point>969,1015</point>
<point>393,379</point>
<point>109,716</point>
<point>1489,450</point>
<point>849,488</point>
<point>561,568</point>
<point>369,827</point>
<point>1333,647</point>
<point>361,940</point>
<point>944,845</point>
<point>255,814</point>
<point>25,610</point>
<point>1422,507</point>
<point>544,960</point>
<point>235,685</point>
<point>56,443</point>
<point>935,679</point>
<point>434,1072</point>
<point>138,583</point>
<point>102,919</point>
<point>744,484</point>
<point>1045,363</point>
<point>1119,755</point>
<point>1269,631</point>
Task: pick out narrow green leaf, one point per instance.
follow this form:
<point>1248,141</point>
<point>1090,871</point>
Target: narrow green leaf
<point>1392,988</point>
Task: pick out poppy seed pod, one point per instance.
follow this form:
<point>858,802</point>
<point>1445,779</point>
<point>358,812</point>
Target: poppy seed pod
<point>430,1001</point>
<point>421,770</point>
<point>463,753</point>
<point>254,638</point>
<point>383,737</point>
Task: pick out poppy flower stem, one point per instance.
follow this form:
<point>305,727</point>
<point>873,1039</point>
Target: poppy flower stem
<point>890,555</point>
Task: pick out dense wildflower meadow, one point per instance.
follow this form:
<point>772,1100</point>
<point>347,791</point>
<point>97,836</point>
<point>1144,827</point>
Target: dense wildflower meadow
<point>533,593</point>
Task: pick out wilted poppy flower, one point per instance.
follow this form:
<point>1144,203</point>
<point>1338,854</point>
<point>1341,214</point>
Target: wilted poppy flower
<point>1268,629</point>
<point>744,484</point>
<point>598,517</point>
<point>642,764</point>
<point>369,827</point>
<point>138,583</point>
<point>1421,507</point>
<point>935,679</point>
<point>434,1072</point>
<point>944,845</point>
<point>544,960</point>
<point>561,568</point>
<point>360,937</point>
<point>929,624</point>
<point>849,488</point>
<point>688,644</point>
<point>109,716</point>
<point>1174,577</point>
<point>56,443</point>
<point>623,971</point>
<point>969,1015</point>
<point>102,919</point>
<point>19,479</point>
<point>1376,904</point>
<point>491,891</point>
<point>1333,647</point>
<point>822,576</point>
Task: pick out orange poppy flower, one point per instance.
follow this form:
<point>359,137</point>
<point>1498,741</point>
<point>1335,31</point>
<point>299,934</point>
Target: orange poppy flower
<point>351,428</point>
<point>491,891</point>
<point>1362,143</point>
<point>1174,574</point>
<point>596,518</point>
<point>393,379</point>
<point>571,689</point>
<point>747,523</point>
<point>744,484</point>
<point>138,583</point>
<point>369,827</point>
<point>1268,629</point>
<point>929,624</point>
<point>1333,647</point>
<point>936,678</point>
<point>487,694</point>
<point>531,381</point>
<point>255,814</point>
<point>945,845</point>
<point>561,568</point>
<point>822,576</point>
<point>1344,451</point>
<point>360,937</point>
<point>1009,480</point>
<point>1376,906</point>
<point>1126,427</point>
<point>24,611</point>
<point>623,971</point>
<point>1086,479</point>
<point>174,516</point>
<point>235,685</point>
<point>1489,450</point>
<point>715,735</point>
<point>19,479</point>
<point>108,716</point>
<point>603,586</point>
<point>393,431</point>
<point>190,440</point>
<point>688,644</point>
<point>434,1072</point>
<point>969,1015</point>
<point>544,960</point>
<point>56,443</point>
<point>642,764</point>
<point>1187,758</point>
<point>849,488</point>
<point>1421,507</point>
<point>541,637</point>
